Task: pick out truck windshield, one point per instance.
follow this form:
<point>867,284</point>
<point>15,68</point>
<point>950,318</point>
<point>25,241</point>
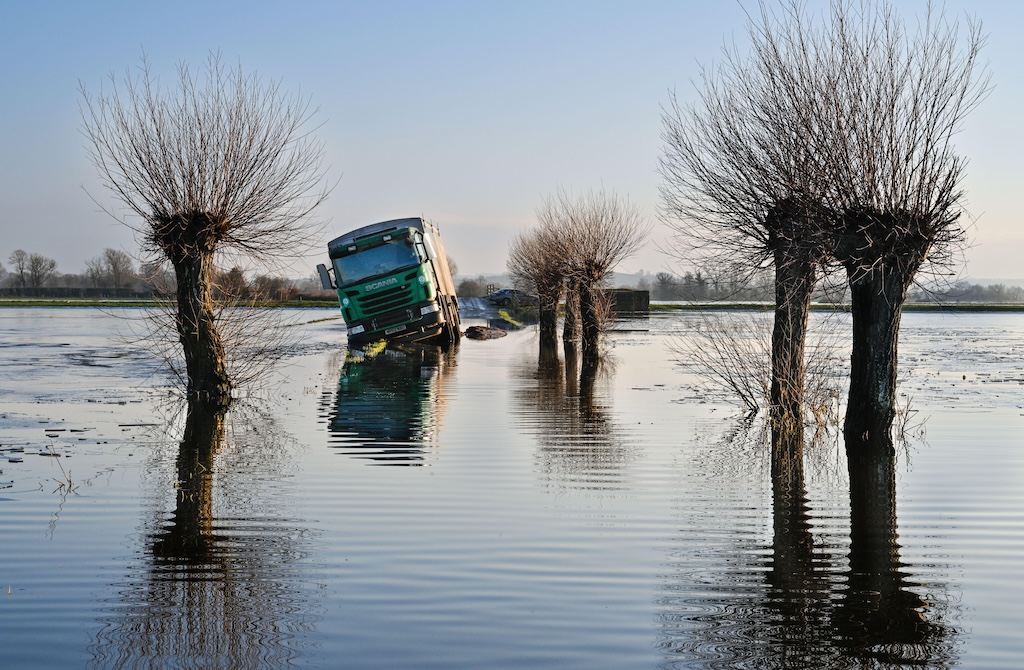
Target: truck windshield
<point>379,260</point>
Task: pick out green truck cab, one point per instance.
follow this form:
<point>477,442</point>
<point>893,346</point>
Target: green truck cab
<point>393,283</point>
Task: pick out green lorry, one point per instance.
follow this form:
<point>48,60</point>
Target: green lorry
<point>393,283</point>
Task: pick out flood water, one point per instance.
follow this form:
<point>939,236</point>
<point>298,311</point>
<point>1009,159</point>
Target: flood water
<point>478,509</point>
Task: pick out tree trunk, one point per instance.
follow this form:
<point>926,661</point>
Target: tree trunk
<point>548,355</point>
<point>877,303</point>
<point>208,381</point>
<point>794,285</point>
<point>547,313</point>
<point>590,320</point>
<point>571,327</point>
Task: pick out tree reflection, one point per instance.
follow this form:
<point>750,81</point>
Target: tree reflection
<point>218,583</point>
<point>799,590</point>
<point>388,406</point>
<point>881,618</point>
<point>814,609</point>
<point>564,403</point>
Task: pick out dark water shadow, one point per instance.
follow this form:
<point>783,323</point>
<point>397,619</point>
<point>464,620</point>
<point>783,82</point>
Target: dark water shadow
<point>566,403</point>
<point>812,598</point>
<point>887,616</point>
<point>220,581</point>
<point>388,407</point>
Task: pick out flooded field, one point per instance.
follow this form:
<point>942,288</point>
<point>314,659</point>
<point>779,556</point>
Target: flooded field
<point>478,509</point>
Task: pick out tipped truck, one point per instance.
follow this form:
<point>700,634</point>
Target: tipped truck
<point>393,283</point>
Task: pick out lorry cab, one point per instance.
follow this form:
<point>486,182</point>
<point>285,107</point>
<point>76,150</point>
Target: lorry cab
<point>393,283</point>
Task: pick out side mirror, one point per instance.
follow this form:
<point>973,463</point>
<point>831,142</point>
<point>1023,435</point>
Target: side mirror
<point>325,277</point>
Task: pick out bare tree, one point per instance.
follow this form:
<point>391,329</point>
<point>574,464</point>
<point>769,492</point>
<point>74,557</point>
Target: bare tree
<point>593,233</point>
<point>831,140</point>
<point>739,186</point>
<point>884,141</point>
<point>113,268</point>
<point>40,269</point>
<point>19,267</point>
<point>224,163</point>
<point>96,271</point>
<point>120,267</point>
<point>534,260</point>
<point>571,329</point>
<point>233,283</point>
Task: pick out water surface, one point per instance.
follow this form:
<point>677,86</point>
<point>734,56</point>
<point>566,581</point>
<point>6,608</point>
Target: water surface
<point>481,509</point>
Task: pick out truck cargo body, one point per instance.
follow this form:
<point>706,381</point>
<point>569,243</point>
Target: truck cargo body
<point>393,283</point>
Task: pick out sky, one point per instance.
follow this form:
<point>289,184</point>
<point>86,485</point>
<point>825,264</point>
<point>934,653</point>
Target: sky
<point>466,113</point>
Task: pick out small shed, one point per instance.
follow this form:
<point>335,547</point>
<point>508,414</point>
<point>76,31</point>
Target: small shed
<point>627,302</point>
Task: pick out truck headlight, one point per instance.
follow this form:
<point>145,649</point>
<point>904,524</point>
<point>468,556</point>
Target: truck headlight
<point>428,309</point>
<point>356,330</point>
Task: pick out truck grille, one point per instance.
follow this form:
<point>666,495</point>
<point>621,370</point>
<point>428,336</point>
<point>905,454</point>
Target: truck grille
<point>396,317</point>
<point>386,300</point>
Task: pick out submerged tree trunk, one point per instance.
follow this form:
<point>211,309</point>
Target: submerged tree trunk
<point>208,381</point>
<point>590,319</point>
<point>794,284</point>
<point>547,314</point>
<point>548,354</point>
<point>571,327</point>
<point>877,296</point>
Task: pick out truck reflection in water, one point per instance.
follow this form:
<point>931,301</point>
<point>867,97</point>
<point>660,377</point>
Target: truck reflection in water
<point>388,406</point>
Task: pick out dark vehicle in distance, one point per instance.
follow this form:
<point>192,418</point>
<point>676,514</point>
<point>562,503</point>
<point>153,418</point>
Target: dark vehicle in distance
<point>506,297</point>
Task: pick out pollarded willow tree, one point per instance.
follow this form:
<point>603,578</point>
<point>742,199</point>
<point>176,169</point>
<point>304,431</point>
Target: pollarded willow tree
<point>222,162</point>
<point>592,233</point>
<point>534,259</point>
<point>739,188</point>
<point>831,141</point>
<point>883,138</point>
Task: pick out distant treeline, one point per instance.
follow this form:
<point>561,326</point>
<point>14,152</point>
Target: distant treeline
<point>114,274</point>
<point>700,287</point>
<point>964,291</point>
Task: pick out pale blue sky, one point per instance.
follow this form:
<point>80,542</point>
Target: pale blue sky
<point>467,113</point>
